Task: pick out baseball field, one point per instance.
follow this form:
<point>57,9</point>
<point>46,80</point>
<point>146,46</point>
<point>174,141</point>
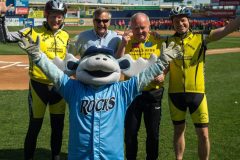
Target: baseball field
<point>223,93</point>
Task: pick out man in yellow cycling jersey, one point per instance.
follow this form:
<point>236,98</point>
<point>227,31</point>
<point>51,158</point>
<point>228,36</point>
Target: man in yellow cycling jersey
<point>186,81</point>
<point>140,43</point>
<point>53,42</point>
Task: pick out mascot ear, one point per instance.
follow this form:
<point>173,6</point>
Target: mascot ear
<point>131,67</point>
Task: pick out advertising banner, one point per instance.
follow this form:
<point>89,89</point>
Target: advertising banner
<point>214,2</point>
<point>18,3</point>
<point>12,21</point>
<point>11,11</point>
<point>20,7</point>
<point>21,3</point>
<point>29,22</point>
<point>220,13</point>
<point>21,11</point>
<point>89,12</point>
<point>39,21</point>
<point>72,21</point>
<point>35,14</point>
<point>141,8</point>
<point>229,2</point>
<point>180,1</point>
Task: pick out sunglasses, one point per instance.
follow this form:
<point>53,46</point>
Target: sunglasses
<point>102,20</point>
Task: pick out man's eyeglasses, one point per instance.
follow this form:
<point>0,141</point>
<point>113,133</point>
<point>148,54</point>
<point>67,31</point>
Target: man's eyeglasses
<point>102,20</point>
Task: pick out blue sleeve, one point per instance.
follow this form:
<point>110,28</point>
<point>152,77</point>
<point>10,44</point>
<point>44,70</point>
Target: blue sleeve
<point>68,88</point>
<point>129,90</point>
<point>50,70</point>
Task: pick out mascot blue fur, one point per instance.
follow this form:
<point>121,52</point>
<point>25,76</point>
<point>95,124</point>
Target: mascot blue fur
<point>97,100</point>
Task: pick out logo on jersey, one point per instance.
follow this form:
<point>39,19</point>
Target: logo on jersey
<point>148,44</point>
<point>45,38</point>
<point>88,106</point>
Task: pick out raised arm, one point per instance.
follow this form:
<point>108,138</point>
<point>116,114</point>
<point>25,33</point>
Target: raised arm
<point>41,60</point>
<point>5,34</point>
<point>167,55</point>
<point>126,37</point>
<point>219,33</point>
<point>9,36</point>
<point>4,8</point>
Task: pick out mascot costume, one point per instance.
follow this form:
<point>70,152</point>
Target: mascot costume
<point>97,100</point>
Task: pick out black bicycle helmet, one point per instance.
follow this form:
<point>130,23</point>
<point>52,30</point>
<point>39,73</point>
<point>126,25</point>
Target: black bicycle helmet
<point>55,5</point>
<point>177,11</point>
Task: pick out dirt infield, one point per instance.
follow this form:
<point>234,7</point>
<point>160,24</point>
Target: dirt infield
<point>14,69</point>
<point>14,72</point>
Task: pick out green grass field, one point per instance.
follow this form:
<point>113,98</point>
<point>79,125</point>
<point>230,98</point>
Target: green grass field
<point>223,90</point>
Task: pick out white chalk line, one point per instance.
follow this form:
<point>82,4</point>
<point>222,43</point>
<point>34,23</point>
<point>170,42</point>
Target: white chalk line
<point>11,64</point>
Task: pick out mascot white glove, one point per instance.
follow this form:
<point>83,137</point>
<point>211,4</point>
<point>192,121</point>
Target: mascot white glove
<point>131,67</point>
<point>32,48</point>
<point>34,52</point>
<point>169,53</point>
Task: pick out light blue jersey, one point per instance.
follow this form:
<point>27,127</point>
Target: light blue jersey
<point>97,118</point>
<point>97,113</point>
<point>90,38</point>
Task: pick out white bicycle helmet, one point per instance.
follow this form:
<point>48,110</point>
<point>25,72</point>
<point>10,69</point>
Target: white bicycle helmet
<point>177,11</point>
<point>55,5</point>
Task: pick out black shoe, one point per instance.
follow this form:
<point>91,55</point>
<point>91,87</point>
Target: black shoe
<point>56,157</point>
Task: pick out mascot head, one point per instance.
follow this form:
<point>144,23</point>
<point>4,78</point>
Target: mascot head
<point>98,66</point>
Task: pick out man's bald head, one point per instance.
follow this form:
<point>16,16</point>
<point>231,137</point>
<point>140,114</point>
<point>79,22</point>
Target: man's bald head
<point>140,25</point>
<point>139,15</point>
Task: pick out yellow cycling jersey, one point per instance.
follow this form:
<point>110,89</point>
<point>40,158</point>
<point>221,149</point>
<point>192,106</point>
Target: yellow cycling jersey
<point>145,49</point>
<point>187,72</point>
<point>52,44</point>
